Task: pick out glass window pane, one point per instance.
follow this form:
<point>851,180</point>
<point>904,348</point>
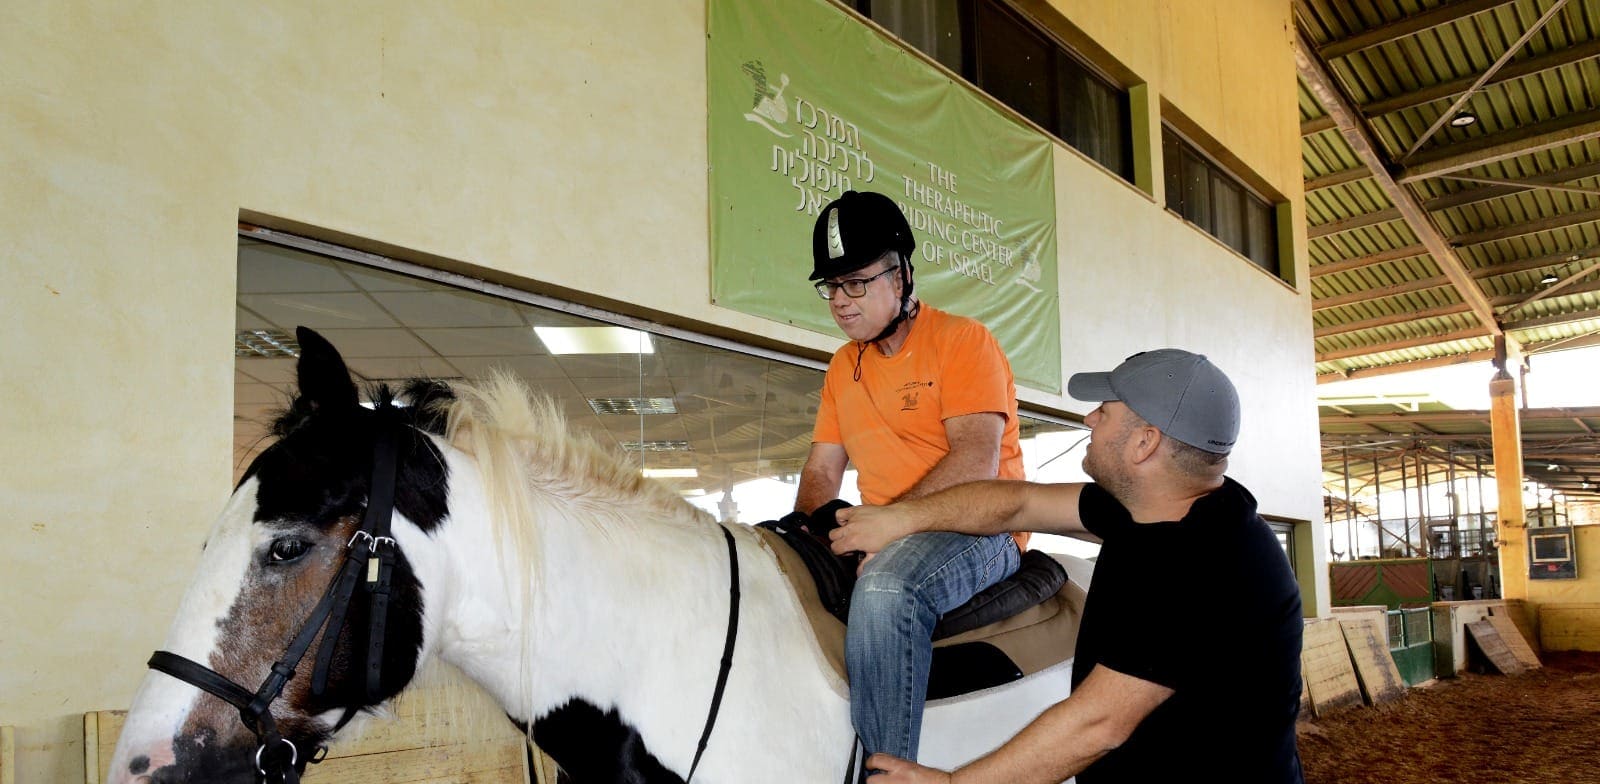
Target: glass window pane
<point>1172,165</point>
<point>1227,203</point>
<point>932,26</point>
<point>1014,64</point>
<point>1262,235</point>
<point>1094,116</point>
<point>1197,191</point>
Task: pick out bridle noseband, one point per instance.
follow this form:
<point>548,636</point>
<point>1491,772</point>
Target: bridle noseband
<point>370,551</point>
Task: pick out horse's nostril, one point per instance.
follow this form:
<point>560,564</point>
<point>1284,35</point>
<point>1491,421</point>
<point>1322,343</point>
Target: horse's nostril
<point>139,764</point>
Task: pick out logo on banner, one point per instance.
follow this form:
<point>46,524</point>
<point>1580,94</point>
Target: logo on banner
<point>767,105</point>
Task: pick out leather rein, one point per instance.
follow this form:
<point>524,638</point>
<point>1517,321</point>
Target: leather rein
<point>370,551</point>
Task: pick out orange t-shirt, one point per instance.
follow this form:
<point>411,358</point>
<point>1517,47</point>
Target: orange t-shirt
<point>891,422</point>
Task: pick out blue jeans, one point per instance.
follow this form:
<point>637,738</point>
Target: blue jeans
<point>889,642</point>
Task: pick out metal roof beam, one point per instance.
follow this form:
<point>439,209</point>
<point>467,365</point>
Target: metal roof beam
<point>1367,295</point>
<point>1391,320</point>
<point>1343,177</point>
<point>1331,96</point>
<point>1482,355</point>
<point>1407,26</point>
<point>1467,196</point>
<point>1554,289</point>
<point>1357,262</point>
<point>1557,320</point>
<point>1524,228</point>
<point>1317,125</point>
<point>1398,345</point>
<point>1523,265</point>
<point>1517,70</point>
<point>1514,143</point>
<point>1353,222</point>
<point>1498,270</point>
<point>1462,415</point>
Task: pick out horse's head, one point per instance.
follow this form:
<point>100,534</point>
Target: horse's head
<point>283,539</point>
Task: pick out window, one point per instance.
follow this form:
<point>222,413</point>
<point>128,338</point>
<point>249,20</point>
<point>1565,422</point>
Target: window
<point>727,426</point>
<point>1211,197</point>
<point>1010,58</point>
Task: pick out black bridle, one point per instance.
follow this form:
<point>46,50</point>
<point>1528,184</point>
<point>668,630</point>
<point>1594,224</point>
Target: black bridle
<point>371,551</point>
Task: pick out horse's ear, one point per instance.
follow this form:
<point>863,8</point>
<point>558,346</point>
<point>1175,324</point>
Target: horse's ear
<point>325,384</point>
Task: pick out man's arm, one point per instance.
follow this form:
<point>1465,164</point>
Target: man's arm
<point>974,453</point>
<point>821,477</point>
<point>978,508</point>
<point>1098,717</point>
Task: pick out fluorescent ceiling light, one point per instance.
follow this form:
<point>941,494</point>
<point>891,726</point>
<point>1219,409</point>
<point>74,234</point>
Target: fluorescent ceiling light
<point>656,446</point>
<point>633,405</point>
<point>595,340</point>
<point>671,473</point>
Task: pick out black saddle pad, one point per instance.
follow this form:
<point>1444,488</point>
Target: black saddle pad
<point>1038,578</point>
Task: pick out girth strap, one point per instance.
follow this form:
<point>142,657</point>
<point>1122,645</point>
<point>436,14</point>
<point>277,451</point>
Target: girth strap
<point>727,651</point>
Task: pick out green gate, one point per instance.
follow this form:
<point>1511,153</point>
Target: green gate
<point>1411,644</point>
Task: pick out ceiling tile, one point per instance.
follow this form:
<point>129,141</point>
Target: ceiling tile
<point>396,342</point>
<point>318,311</point>
<point>483,341</point>
<point>395,368</point>
<point>528,367</point>
<point>425,309</point>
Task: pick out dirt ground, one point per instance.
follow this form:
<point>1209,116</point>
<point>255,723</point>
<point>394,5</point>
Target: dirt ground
<point>1542,726</point>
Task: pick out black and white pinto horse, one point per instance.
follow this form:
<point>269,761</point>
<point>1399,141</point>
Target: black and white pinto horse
<point>592,604</point>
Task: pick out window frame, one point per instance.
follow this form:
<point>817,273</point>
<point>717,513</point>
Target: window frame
<point>1059,56</point>
<point>1178,146</point>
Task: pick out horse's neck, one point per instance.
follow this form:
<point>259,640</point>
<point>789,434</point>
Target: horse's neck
<point>602,598</point>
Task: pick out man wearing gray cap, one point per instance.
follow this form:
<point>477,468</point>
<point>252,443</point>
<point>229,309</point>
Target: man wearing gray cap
<point>1188,658</point>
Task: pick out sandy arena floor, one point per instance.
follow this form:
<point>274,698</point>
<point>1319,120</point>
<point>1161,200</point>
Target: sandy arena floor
<point>1542,726</point>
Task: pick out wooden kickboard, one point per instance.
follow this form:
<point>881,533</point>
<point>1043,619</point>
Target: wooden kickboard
<point>1516,641</point>
<point>8,756</point>
<point>422,744</point>
<point>1325,666</point>
<point>1367,639</point>
<point>1500,640</point>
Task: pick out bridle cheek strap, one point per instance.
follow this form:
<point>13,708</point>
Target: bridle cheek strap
<point>370,551</point>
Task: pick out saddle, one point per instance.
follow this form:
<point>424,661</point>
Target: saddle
<point>1012,629</point>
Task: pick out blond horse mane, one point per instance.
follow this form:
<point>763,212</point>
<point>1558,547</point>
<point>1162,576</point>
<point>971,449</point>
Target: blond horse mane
<point>531,461</point>
<point>536,472</point>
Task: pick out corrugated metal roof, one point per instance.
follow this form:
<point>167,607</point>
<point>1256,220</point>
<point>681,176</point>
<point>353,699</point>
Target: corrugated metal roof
<point>1515,194</point>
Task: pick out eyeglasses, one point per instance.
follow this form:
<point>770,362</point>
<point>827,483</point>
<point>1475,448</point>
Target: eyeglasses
<point>854,288</point>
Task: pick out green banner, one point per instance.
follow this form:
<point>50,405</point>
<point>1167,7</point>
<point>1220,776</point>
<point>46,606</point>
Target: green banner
<point>805,101</point>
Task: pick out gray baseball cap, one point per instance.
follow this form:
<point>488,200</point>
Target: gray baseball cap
<point>1182,394</point>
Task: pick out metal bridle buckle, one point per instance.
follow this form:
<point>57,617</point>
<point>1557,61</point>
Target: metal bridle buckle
<point>294,755</point>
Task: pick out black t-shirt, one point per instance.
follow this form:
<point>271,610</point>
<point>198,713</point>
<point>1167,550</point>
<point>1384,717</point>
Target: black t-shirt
<point>1208,607</point>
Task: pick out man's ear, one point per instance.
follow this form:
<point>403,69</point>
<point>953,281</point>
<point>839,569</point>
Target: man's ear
<point>1144,444</point>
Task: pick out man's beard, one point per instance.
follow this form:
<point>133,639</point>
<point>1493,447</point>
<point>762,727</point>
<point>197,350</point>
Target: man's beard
<point>1108,472</point>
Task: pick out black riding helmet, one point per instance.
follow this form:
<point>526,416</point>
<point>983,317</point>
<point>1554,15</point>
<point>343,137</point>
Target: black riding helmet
<point>856,229</point>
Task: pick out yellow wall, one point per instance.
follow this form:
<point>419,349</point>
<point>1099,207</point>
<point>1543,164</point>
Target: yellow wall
<point>1569,610</point>
<point>559,143</point>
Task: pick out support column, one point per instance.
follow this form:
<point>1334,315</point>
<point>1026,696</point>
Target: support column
<point>1506,429</point>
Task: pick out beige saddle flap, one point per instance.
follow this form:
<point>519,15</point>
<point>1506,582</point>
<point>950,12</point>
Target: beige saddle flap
<point>1034,639</point>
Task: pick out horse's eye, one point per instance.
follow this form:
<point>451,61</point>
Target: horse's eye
<point>288,549</point>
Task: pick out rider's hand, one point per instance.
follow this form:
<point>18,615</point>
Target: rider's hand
<point>868,529</point>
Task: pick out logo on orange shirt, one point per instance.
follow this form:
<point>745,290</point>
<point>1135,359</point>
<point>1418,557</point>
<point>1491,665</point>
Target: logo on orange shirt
<point>910,393</point>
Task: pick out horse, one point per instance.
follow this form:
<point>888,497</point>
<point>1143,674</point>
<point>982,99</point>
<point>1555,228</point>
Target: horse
<point>628,633</point>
